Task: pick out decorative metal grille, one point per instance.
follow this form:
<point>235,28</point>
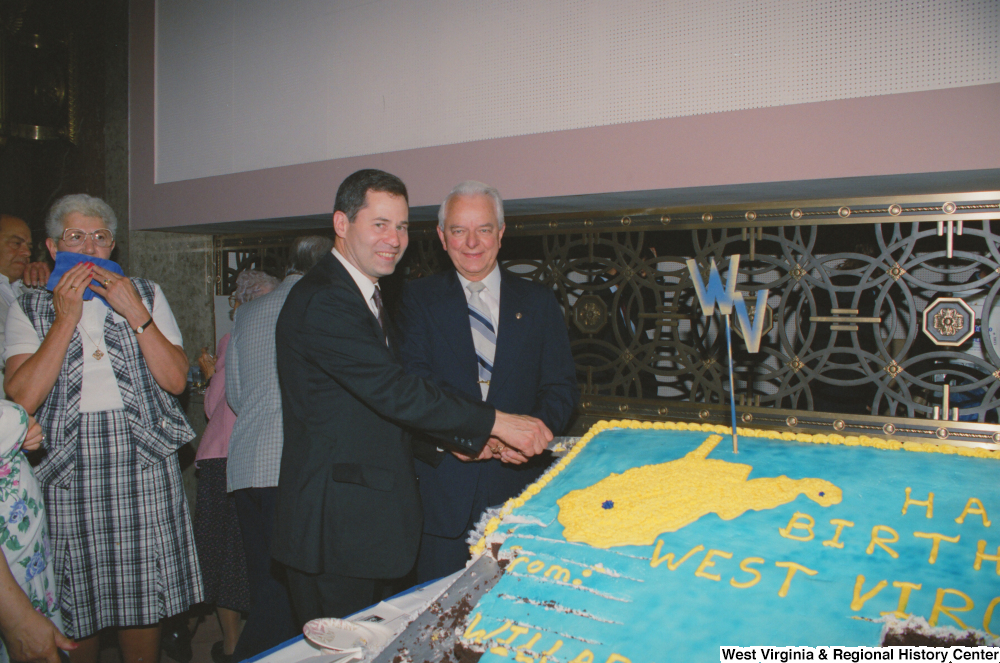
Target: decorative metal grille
<point>233,254</point>
<point>850,284</point>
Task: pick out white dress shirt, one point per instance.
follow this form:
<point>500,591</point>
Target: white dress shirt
<point>9,292</point>
<point>364,283</point>
<point>100,387</point>
<point>490,294</point>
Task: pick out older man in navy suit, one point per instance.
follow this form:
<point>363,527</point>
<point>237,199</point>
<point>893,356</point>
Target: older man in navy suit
<point>484,333</point>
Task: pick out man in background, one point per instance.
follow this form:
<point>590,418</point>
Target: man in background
<point>16,268</point>
<point>255,450</point>
<point>348,515</point>
<point>479,331</point>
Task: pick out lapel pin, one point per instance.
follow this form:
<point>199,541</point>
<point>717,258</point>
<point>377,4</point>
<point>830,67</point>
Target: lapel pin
<point>518,315</point>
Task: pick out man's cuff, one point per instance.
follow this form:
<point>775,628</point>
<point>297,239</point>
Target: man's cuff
<point>472,440</point>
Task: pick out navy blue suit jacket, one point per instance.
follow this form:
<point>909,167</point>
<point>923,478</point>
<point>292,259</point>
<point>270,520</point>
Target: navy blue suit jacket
<point>533,374</point>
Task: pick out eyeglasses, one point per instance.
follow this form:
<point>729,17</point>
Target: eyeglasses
<point>75,237</point>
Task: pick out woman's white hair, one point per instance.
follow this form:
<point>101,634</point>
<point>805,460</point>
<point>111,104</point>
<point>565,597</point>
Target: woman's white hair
<point>251,284</point>
<point>472,188</point>
<point>85,205</point>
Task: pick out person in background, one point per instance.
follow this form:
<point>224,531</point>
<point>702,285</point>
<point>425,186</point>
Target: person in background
<point>101,373</point>
<point>484,333</point>
<point>348,514</point>
<point>255,449</point>
<point>16,268</point>
<point>217,528</point>
<point>29,616</point>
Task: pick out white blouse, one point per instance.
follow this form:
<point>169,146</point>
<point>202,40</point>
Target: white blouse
<point>100,388</point>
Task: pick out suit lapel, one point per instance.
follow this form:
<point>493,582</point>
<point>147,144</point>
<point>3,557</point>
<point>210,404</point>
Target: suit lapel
<point>450,312</point>
<point>337,271</point>
<point>510,331</point>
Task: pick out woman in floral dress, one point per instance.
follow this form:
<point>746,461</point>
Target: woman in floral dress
<point>29,616</point>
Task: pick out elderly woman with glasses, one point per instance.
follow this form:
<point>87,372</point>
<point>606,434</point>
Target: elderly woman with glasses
<point>98,373</point>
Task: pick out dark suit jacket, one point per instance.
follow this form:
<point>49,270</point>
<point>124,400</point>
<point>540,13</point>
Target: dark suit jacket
<point>533,374</point>
<point>347,494</point>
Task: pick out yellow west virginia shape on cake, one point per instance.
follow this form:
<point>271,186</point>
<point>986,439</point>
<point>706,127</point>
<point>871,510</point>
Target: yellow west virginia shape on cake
<point>633,508</point>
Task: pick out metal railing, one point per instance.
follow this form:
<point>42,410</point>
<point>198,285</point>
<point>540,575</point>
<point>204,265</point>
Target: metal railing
<point>878,318</point>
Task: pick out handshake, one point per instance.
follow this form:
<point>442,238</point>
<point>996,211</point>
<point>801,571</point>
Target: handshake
<point>514,439</point>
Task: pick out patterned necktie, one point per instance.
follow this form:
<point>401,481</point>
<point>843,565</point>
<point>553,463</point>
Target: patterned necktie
<point>484,336</point>
<point>377,298</point>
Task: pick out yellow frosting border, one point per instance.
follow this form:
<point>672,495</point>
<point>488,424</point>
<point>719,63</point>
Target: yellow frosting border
<point>820,438</point>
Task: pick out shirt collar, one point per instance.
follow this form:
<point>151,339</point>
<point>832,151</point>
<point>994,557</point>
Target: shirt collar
<point>364,283</point>
<point>17,286</point>
<point>492,281</point>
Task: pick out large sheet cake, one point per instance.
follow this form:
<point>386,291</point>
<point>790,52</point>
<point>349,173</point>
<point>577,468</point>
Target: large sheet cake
<point>648,536</point>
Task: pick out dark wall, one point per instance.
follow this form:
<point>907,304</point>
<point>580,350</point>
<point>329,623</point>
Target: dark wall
<point>65,71</point>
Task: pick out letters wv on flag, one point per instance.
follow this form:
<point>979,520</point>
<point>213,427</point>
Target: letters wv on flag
<point>727,298</point>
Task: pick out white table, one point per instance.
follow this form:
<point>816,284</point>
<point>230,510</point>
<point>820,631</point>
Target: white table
<point>395,613</point>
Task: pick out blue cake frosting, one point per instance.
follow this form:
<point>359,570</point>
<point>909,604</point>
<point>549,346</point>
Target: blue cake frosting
<point>805,572</point>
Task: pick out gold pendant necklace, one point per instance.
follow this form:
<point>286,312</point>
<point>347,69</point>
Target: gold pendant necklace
<point>98,355</point>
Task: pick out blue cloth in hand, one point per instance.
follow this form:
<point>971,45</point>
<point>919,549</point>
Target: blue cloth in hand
<point>65,260</point>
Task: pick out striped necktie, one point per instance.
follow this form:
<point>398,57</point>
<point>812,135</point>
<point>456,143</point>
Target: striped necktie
<point>484,336</point>
<point>377,298</point>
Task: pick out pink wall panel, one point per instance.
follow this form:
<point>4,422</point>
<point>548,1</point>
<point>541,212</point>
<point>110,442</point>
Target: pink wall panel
<point>948,130</point>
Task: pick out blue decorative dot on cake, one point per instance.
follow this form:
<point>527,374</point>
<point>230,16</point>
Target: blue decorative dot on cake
<point>608,504</point>
<point>822,494</point>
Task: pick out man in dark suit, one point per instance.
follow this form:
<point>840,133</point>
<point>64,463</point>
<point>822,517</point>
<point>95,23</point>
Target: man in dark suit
<point>484,333</point>
<point>348,515</point>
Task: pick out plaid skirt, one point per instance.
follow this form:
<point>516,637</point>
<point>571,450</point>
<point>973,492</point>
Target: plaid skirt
<point>122,543</point>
